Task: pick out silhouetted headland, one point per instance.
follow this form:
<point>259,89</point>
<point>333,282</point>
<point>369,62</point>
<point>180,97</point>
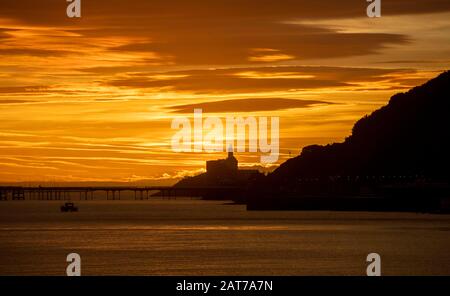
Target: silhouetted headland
<point>396,159</point>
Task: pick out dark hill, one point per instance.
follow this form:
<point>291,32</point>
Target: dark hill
<point>407,137</point>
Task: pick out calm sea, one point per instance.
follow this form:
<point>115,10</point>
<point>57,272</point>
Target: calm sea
<point>194,237</point>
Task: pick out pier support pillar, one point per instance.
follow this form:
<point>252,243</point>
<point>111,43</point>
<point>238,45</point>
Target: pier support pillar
<point>3,195</point>
<point>18,195</point>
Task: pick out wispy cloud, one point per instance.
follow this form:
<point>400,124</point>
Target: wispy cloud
<point>92,99</point>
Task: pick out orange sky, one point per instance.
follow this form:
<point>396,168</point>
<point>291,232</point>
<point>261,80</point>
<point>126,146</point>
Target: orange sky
<point>92,99</point>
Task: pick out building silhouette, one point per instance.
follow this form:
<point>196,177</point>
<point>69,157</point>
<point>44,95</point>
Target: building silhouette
<point>227,167</point>
<point>222,172</point>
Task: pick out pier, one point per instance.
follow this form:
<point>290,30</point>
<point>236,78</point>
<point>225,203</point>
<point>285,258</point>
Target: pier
<point>111,193</point>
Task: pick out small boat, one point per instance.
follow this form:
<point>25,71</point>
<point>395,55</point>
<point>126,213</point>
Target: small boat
<point>69,207</point>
